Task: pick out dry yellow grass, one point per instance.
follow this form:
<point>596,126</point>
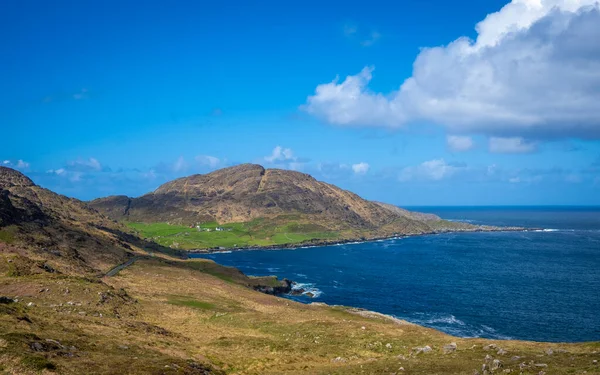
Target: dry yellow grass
<point>194,316</point>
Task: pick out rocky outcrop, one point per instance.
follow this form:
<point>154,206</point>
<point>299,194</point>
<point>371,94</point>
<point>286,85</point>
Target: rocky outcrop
<point>68,234</point>
<point>284,287</point>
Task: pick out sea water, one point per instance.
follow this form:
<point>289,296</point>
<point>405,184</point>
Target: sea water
<point>540,285</point>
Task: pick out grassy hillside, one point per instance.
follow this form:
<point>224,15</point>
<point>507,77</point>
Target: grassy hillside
<point>196,317</point>
<point>258,232</point>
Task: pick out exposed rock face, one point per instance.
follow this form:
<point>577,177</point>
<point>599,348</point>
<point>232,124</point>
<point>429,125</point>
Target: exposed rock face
<point>68,233</point>
<point>284,287</point>
<point>10,178</point>
<point>248,191</point>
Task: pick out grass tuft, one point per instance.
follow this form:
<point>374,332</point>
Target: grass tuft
<point>182,301</point>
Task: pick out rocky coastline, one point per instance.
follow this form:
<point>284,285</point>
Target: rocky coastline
<point>319,242</point>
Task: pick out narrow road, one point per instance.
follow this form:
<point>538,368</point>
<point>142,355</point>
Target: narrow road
<point>122,266</point>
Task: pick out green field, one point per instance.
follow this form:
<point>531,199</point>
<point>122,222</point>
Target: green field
<point>254,233</point>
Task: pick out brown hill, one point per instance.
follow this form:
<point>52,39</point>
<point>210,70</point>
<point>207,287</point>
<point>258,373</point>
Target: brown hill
<point>248,191</point>
<point>57,232</point>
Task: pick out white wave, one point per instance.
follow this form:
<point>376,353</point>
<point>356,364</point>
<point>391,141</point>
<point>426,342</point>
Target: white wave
<point>456,327</point>
<point>307,288</point>
<point>354,243</point>
<point>488,328</point>
<point>300,274</point>
<point>273,269</point>
<point>446,320</point>
<point>439,319</point>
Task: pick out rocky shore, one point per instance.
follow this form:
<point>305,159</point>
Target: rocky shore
<point>319,242</point>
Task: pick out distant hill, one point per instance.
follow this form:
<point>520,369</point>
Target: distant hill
<point>246,192</point>
<point>58,232</point>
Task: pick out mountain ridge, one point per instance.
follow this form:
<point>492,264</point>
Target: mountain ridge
<point>249,191</point>
<point>61,233</point>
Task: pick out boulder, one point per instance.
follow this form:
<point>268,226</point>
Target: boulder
<point>496,364</point>
<point>449,348</point>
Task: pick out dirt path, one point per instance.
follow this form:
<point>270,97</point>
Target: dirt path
<point>115,270</point>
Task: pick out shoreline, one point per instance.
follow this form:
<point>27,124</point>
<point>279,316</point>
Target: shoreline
<point>373,314</point>
<point>325,243</point>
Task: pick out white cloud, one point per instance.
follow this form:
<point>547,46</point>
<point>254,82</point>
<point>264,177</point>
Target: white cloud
<point>533,71</point>
<point>434,170</point>
<point>372,39</point>
<point>280,154</point>
<point>209,161</point>
<point>180,165</point>
<point>22,164</point>
<point>150,175</point>
<point>58,172</point>
<point>19,164</point>
<point>83,165</point>
<point>360,168</point>
<point>513,145</point>
<point>459,143</point>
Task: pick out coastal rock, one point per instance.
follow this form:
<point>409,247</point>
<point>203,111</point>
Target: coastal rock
<point>501,352</point>
<point>449,348</point>
<point>285,287</point>
<point>424,349</point>
<point>496,364</point>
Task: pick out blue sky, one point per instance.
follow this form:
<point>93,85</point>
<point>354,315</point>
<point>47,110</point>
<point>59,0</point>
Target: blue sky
<point>436,102</point>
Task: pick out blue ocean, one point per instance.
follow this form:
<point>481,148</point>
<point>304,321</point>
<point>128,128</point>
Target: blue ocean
<point>540,285</point>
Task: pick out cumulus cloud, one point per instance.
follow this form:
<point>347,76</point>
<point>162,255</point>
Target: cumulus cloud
<point>284,158</point>
<point>71,175</point>
<point>459,143</point>
<point>280,154</point>
<point>512,145</point>
<point>84,165</point>
<point>19,164</point>
<point>433,170</point>
<point>210,161</point>
<point>533,71</point>
<point>360,168</point>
